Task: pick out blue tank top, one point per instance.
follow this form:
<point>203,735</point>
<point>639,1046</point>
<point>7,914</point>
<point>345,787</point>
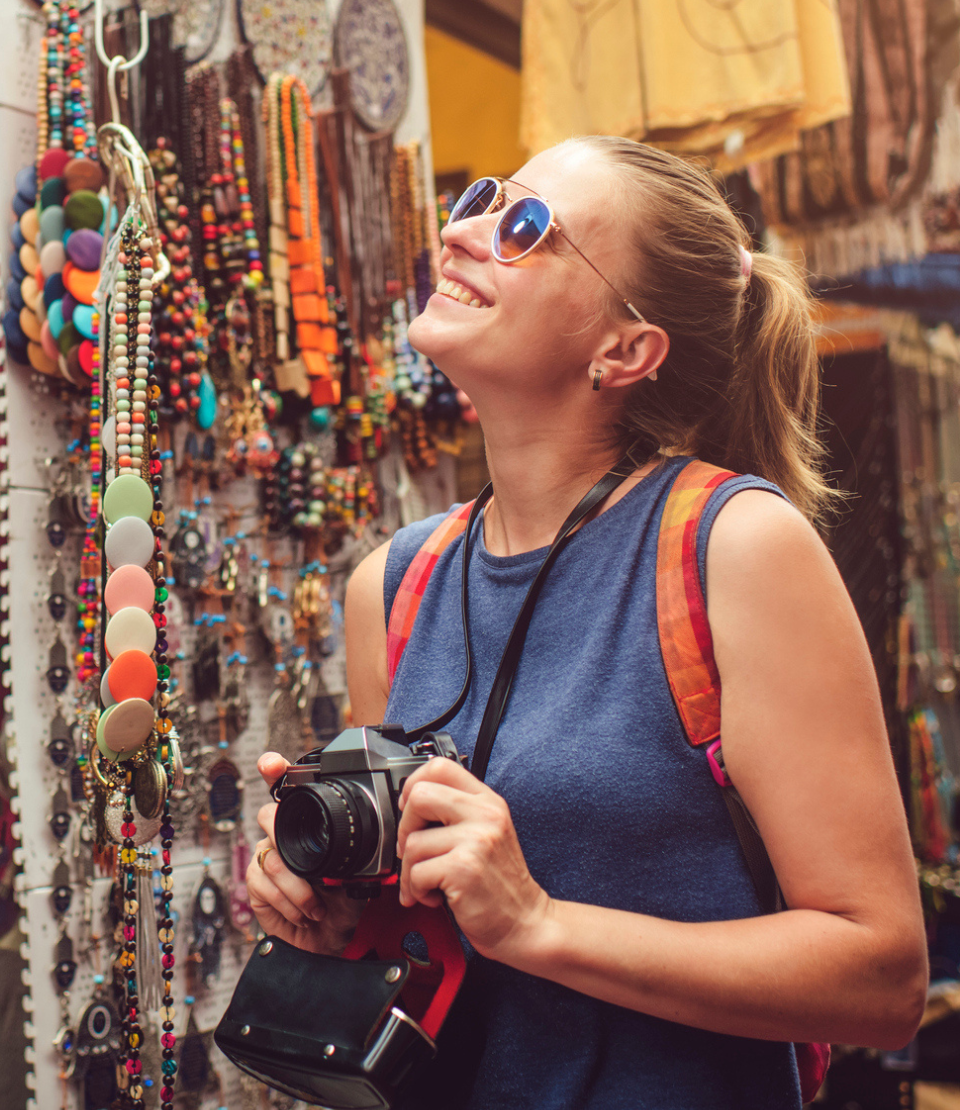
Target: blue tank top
<point>612,808</point>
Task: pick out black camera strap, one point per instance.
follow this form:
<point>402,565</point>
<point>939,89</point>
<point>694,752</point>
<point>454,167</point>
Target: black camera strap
<point>502,683</point>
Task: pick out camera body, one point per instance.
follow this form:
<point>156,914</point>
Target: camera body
<point>337,815</point>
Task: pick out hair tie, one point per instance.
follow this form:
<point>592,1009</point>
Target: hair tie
<point>746,261</point>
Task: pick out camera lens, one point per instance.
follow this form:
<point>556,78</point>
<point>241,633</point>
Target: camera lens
<point>327,829</point>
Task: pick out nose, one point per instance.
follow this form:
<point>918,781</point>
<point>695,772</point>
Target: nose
<point>470,235</point>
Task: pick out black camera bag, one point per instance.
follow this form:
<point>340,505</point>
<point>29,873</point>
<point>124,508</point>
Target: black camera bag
<point>288,1025</point>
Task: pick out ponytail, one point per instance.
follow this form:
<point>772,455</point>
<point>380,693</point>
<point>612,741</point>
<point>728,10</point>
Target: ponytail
<point>766,423</point>
<point>740,385</point>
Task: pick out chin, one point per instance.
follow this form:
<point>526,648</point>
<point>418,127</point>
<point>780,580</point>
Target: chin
<point>432,339</point>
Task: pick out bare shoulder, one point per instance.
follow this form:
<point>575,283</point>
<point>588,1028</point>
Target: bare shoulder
<point>366,582</point>
<point>366,637</point>
<point>771,580</point>
<point>757,529</point>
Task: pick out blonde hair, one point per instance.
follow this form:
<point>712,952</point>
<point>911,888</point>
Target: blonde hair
<point>740,387</point>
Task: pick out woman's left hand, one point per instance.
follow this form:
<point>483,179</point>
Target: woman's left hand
<point>457,841</point>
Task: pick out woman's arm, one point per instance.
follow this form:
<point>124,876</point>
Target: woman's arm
<point>805,743</point>
<point>365,627</point>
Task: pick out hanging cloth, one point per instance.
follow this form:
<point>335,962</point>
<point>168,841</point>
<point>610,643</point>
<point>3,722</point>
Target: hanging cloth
<point>735,82</point>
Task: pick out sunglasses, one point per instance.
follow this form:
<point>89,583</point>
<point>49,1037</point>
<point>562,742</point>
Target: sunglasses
<point>523,226</point>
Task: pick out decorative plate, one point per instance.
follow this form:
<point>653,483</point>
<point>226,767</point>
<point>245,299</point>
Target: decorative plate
<point>196,23</point>
<point>289,36</point>
<point>369,41</point>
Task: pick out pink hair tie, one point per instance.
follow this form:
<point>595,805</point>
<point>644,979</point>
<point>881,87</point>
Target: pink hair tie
<point>746,261</point>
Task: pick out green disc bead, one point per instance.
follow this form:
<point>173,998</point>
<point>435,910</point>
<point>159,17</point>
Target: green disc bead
<point>163,671</point>
<point>161,595</point>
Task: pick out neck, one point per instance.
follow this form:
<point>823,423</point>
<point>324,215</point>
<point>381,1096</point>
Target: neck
<point>537,483</point>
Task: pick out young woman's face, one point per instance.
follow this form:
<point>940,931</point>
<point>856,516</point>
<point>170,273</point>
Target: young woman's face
<point>534,326</point>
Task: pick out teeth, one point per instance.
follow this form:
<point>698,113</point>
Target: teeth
<point>455,290</point>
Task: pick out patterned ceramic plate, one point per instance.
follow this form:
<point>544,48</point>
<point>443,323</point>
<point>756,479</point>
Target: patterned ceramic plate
<point>289,36</point>
<point>196,23</point>
<point>369,41</point>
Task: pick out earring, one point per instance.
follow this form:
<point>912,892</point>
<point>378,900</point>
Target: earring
<point>597,379</point>
<point>653,376</point>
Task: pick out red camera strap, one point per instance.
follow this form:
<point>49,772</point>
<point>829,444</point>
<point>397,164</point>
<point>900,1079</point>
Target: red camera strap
<point>433,983</point>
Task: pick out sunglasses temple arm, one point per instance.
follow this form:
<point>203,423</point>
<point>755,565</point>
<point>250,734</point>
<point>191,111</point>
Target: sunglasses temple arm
<point>620,296</point>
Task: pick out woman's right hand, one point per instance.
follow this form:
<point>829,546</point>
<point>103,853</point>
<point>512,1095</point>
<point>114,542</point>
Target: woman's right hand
<point>287,906</point>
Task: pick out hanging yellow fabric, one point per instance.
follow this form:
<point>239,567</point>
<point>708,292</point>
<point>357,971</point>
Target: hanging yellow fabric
<point>735,81</point>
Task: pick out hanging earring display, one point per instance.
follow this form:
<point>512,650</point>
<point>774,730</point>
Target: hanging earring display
<point>209,922</point>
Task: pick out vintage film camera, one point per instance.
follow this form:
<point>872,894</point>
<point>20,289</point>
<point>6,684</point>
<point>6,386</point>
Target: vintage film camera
<point>337,815</point>
<point>348,1031</point>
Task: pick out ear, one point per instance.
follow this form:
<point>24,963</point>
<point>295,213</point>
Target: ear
<point>630,354</point>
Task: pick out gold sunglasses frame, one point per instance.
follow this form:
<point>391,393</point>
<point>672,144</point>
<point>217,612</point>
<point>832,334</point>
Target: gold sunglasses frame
<point>498,201</point>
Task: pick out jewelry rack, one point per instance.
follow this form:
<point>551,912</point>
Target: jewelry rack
<point>33,438</point>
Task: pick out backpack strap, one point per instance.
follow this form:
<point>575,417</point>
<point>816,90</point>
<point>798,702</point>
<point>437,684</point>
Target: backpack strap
<point>414,583</point>
<point>687,647</point>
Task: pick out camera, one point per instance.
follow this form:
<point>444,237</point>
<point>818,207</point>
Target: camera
<point>337,814</point>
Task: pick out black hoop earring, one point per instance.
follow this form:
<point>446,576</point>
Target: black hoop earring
<point>597,379</point>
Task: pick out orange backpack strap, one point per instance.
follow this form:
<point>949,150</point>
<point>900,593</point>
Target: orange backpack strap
<point>685,638</point>
<point>687,647</point>
<point>407,602</point>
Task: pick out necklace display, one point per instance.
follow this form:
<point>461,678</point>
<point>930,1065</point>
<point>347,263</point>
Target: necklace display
<point>296,237</point>
<point>213,379</point>
<point>181,344</point>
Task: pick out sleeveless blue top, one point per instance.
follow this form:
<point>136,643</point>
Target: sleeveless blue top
<point>611,805</point>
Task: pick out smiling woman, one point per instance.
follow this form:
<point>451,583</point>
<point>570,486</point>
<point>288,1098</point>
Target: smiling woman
<point>619,945</point>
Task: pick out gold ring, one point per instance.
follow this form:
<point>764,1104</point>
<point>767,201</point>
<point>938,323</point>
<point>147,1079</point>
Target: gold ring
<point>262,855</point>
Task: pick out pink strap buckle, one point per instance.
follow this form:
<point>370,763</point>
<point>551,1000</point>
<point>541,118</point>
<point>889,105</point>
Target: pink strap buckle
<point>715,759</point>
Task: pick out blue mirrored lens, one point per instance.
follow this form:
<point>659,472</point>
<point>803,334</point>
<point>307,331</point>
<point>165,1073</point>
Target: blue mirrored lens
<point>523,225</point>
<point>475,201</point>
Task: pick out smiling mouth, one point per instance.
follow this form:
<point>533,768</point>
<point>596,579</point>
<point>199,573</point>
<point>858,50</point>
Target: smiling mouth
<point>457,292</point>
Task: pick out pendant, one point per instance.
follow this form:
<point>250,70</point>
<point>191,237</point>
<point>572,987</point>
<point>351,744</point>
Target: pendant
<point>224,795</point>
<point>60,817</point>
<point>98,1043</point>
<point>150,788</point>
<point>66,967</point>
<point>62,894</point>
<point>60,747</point>
<point>209,919</point>
<point>147,828</point>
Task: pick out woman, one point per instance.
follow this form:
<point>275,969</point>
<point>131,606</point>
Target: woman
<point>618,955</point>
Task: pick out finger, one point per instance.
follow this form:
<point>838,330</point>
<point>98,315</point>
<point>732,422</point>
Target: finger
<point>271,766</point>
<point>433,802</point>
<point>446,771</point>
<point>266,898</point>
<point>265,819</point>
<point>424,883</point>
<point>295,890</point>
<point>425,844</point>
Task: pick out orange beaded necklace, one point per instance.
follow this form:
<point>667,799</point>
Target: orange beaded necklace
<point>316,337</point>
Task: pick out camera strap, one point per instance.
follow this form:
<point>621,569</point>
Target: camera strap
<point>502,683</point>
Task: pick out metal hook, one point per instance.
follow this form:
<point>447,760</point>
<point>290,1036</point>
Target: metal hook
<point>98,38</point>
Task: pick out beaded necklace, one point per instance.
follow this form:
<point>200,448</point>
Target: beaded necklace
<point>279,263</point>
<point>181,343</point>
<point>134,732</point>
<point>68,122</point>
<point>316,338</point>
